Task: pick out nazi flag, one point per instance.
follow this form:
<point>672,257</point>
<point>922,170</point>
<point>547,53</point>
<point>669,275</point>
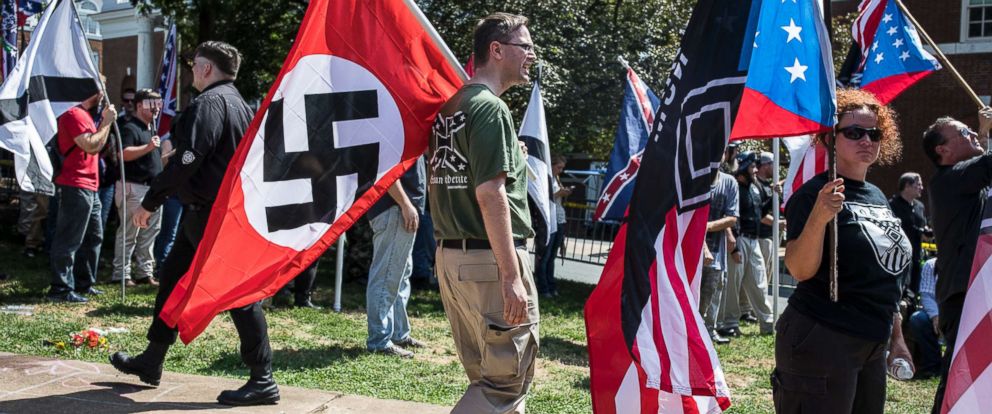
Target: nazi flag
<point>349,112</point>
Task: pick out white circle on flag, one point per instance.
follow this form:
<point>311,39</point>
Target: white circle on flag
<point>318,74</point>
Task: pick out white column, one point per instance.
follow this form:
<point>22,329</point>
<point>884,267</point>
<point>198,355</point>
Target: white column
<point>145,73</point>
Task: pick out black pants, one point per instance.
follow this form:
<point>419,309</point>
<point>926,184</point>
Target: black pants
<point>820,370</point>
<point>950,319</point>
<point>249,320</point>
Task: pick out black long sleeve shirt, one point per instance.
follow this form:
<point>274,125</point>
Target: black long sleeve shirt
<point>206,135</point>
<point>957,196</point>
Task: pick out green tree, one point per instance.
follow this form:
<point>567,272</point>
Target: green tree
<point>578,44</point>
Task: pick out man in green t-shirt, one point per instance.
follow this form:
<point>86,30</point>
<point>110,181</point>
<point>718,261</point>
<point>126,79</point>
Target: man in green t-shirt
<point>478,200</point>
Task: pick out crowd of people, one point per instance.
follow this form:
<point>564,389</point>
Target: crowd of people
<point>834,344</point>
<point>164,197</point>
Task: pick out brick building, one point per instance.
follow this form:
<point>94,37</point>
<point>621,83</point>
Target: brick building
<point>126,45</point>
<point>963,31</point>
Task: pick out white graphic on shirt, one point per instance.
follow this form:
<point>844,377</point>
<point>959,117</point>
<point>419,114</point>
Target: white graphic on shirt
<point>448,166</point>
<point>891,246</point>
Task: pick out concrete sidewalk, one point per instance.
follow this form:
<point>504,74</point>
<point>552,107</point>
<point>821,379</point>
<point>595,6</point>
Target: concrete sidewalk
<point>41,385</point>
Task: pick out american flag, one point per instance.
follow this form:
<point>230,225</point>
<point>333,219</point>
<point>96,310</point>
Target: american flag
<point>870,14</point>
<point>167,84</point>
<point>649,350</point>
<point>806,160</point>
<point>970,377</point>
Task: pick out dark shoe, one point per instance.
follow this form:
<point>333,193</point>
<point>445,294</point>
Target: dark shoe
<point>259,390</point>
<point>717,339</point>
<point>70,297</point>
<point>729,332</point>
<point>394,351</point>
<point>748,318</point>
<point>30,252</point>
<point>411,343</point>
<point>150,280</point>
<point>148,372</point>
<point>127,283</point>
<point>90,291</point>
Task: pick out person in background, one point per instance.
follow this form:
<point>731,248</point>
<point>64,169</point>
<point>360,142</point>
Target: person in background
<point>724,202</point>
<point>142,163</point>
<point>545,254</point>
<point>907,206</point>
<point>79,230</point>
<point>925,324</point>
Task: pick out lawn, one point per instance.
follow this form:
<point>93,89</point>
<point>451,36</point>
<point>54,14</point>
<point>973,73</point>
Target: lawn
<point>326,350</point>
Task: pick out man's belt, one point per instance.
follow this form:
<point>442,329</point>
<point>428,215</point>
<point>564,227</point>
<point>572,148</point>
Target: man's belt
<point>475,244</point>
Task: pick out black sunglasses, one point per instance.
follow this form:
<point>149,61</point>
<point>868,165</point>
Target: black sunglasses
<point>527,47</point>
<point>855,133</point>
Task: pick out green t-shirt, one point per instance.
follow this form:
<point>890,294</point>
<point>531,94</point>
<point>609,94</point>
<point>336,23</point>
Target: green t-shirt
<point>473,141</point>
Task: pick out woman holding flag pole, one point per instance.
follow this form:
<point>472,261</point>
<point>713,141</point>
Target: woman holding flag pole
<point>830,356</point>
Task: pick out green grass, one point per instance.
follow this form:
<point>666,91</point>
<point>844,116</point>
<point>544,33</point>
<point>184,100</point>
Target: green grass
<point>326,350</point>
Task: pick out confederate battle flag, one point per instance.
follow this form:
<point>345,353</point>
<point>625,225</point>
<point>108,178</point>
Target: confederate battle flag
<point>350,111</point>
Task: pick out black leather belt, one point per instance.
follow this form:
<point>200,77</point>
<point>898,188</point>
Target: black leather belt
<point>475,244</point>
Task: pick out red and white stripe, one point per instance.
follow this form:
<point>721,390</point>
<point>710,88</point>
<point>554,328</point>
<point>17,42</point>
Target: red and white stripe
<point>969,380</point>
<point>647,110</point>
<point>806,161</point>
<point>870,13</point>
<point>672,345</point>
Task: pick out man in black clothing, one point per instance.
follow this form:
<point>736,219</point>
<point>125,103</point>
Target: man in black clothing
<point>907,207</point>
<point>957,196</point>
<point>142,163</point>
<point>206,135</point>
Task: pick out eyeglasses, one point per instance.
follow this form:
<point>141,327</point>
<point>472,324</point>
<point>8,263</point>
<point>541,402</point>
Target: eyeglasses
<point>967,132</point>
<point>526,47</point>
<point>855,133</point>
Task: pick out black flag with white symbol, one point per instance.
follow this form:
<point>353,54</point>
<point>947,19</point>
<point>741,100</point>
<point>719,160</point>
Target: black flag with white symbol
<point>54,74</point>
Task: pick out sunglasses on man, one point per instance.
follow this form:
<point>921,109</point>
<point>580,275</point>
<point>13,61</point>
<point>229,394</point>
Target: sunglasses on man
<point>855,133</point>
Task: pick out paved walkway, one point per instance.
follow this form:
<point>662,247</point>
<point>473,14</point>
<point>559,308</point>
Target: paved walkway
<point>41,385</point>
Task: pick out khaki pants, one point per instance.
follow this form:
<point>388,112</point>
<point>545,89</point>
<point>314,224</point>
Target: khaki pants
<point>498,358</point>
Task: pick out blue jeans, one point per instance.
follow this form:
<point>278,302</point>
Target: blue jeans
<point>423,249</point>
<point>76,245</point>
<point>172,211</point>
<point>389,280</point>
<point>106,195</point>
<point>926,343</point>
<point>544,274</point>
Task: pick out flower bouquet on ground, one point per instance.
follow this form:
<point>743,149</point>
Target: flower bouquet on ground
<point>92,339</point>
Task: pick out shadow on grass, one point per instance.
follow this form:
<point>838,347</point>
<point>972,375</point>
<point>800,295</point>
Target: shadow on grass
<point>230,363</point>
<point>564,351</point>
<point>123,309</point>
<point>110,397</point>
<point>582,384</point>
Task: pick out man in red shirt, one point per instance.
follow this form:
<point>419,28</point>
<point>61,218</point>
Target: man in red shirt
<point>79,229</point>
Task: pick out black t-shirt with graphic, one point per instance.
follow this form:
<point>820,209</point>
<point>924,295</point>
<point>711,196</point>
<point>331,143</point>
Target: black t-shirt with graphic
<point>873,260</point>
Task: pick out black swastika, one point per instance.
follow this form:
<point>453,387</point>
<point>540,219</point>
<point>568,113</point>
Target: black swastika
<point>322,163</point>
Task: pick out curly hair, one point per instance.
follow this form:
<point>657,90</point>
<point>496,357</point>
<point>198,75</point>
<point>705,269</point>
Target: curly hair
<point>850,100</point>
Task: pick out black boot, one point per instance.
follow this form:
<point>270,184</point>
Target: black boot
<point>259,390</point>
<point>147,365</point>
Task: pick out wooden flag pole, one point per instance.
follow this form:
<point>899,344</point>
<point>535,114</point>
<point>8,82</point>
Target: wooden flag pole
<point>831,172</point>
<point>940,55</point>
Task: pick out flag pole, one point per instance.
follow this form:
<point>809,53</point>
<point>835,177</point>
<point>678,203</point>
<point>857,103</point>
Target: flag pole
<point>831,169</point>
<point>429,28</point>
<point>776,234</point>
<point>941,56</point>
<point>120,148</point>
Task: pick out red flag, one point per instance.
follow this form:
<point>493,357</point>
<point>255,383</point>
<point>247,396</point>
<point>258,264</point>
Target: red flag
<point>470,65</point>
<point>969,378</point>
<point>350,111</point>
<point>649,350</point>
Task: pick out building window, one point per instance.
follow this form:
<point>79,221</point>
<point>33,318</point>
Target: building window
<point>978,18</point>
